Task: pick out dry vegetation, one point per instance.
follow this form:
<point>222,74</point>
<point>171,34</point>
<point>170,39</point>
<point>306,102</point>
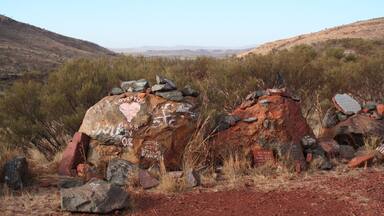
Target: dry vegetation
<point>37,117</point>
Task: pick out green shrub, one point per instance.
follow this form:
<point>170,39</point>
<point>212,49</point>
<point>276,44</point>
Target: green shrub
<point>43,114</point>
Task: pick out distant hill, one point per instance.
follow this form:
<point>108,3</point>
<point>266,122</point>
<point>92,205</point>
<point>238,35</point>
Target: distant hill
<point>368,29</point>
<point>181,51</point>
<point>26,48</point>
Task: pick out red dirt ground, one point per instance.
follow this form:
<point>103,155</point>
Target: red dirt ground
<point>330,193</point>
<point>362,194</point>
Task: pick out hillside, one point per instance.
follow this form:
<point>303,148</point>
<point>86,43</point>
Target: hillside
<point>25,48</point>
<point>368,29</point>
<point>181,52</point>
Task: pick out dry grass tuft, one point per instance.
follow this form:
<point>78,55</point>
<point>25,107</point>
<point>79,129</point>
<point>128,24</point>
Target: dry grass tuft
<point>170,184</point>
<point>39,165</point>
<point>235,166</point>
<point>372,142</point>
<point>198,152</point>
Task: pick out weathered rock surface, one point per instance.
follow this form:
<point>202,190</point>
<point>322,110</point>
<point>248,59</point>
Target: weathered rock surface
<point>120,172</point>
<point>280,127</point>
<point>74,154</point>
<point>96,196</point>
<point>16,172</point>
<point>140,128</point>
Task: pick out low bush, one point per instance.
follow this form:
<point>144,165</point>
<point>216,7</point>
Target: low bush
<point>42,113</point>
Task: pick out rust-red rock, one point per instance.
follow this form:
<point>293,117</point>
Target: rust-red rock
<point>74,154</point>
<point>280,126</point>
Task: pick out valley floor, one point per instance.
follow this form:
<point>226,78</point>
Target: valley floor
<point>353,192</point>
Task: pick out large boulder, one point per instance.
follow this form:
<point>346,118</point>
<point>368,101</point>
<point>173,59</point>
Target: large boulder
<point>279,126</point>
<point>141,128</point>
<point>96,196</point>
<point>16,172</point>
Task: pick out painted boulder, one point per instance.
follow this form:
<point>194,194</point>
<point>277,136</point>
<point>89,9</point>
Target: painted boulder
<point>141,128</point>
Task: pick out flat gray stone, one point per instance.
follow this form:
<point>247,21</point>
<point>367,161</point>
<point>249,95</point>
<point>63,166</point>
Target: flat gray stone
<point>347,103</point>
<point>96,196</point>
<point>135,85</point>
<point>171,95</point>
<point>117,91</point>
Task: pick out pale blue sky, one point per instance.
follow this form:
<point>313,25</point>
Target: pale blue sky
<point>225,23</point>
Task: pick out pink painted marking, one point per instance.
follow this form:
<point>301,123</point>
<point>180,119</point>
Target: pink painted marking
<point>129,110</point>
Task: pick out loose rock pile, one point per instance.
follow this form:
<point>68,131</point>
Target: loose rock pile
<point>346,124</point>
<point>128,137</point>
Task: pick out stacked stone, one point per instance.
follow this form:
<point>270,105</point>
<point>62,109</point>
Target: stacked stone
<point>343,110</point>
<point>164,87</point>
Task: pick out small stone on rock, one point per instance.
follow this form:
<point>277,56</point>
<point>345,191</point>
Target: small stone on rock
<point>135,85</point>
<point>171,95</point>
<point>117,91</point>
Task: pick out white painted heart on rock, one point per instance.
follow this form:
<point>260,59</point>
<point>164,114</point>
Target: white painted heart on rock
<point>129,110</point>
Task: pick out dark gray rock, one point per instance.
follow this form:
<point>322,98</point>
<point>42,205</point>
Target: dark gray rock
<point>146,180</point>
<point>97,196</point>
<point>370,105</point>
<point>255,95</point>
<point>189,91</point>
<point>167,82</point>
<point>135,85</point>
<point>226,121</point>
<point>171,95</point>
<point>326,165</point>
<point>264,102</point>
<point>16,172</point>
<point>341,117</point>
<point>330,118</point>
<point>120,172</point>
<point>346,152</point>
<point>69,182</point>
<point>192,178</point>
<point>117,91</point>
<point>162,88</point>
